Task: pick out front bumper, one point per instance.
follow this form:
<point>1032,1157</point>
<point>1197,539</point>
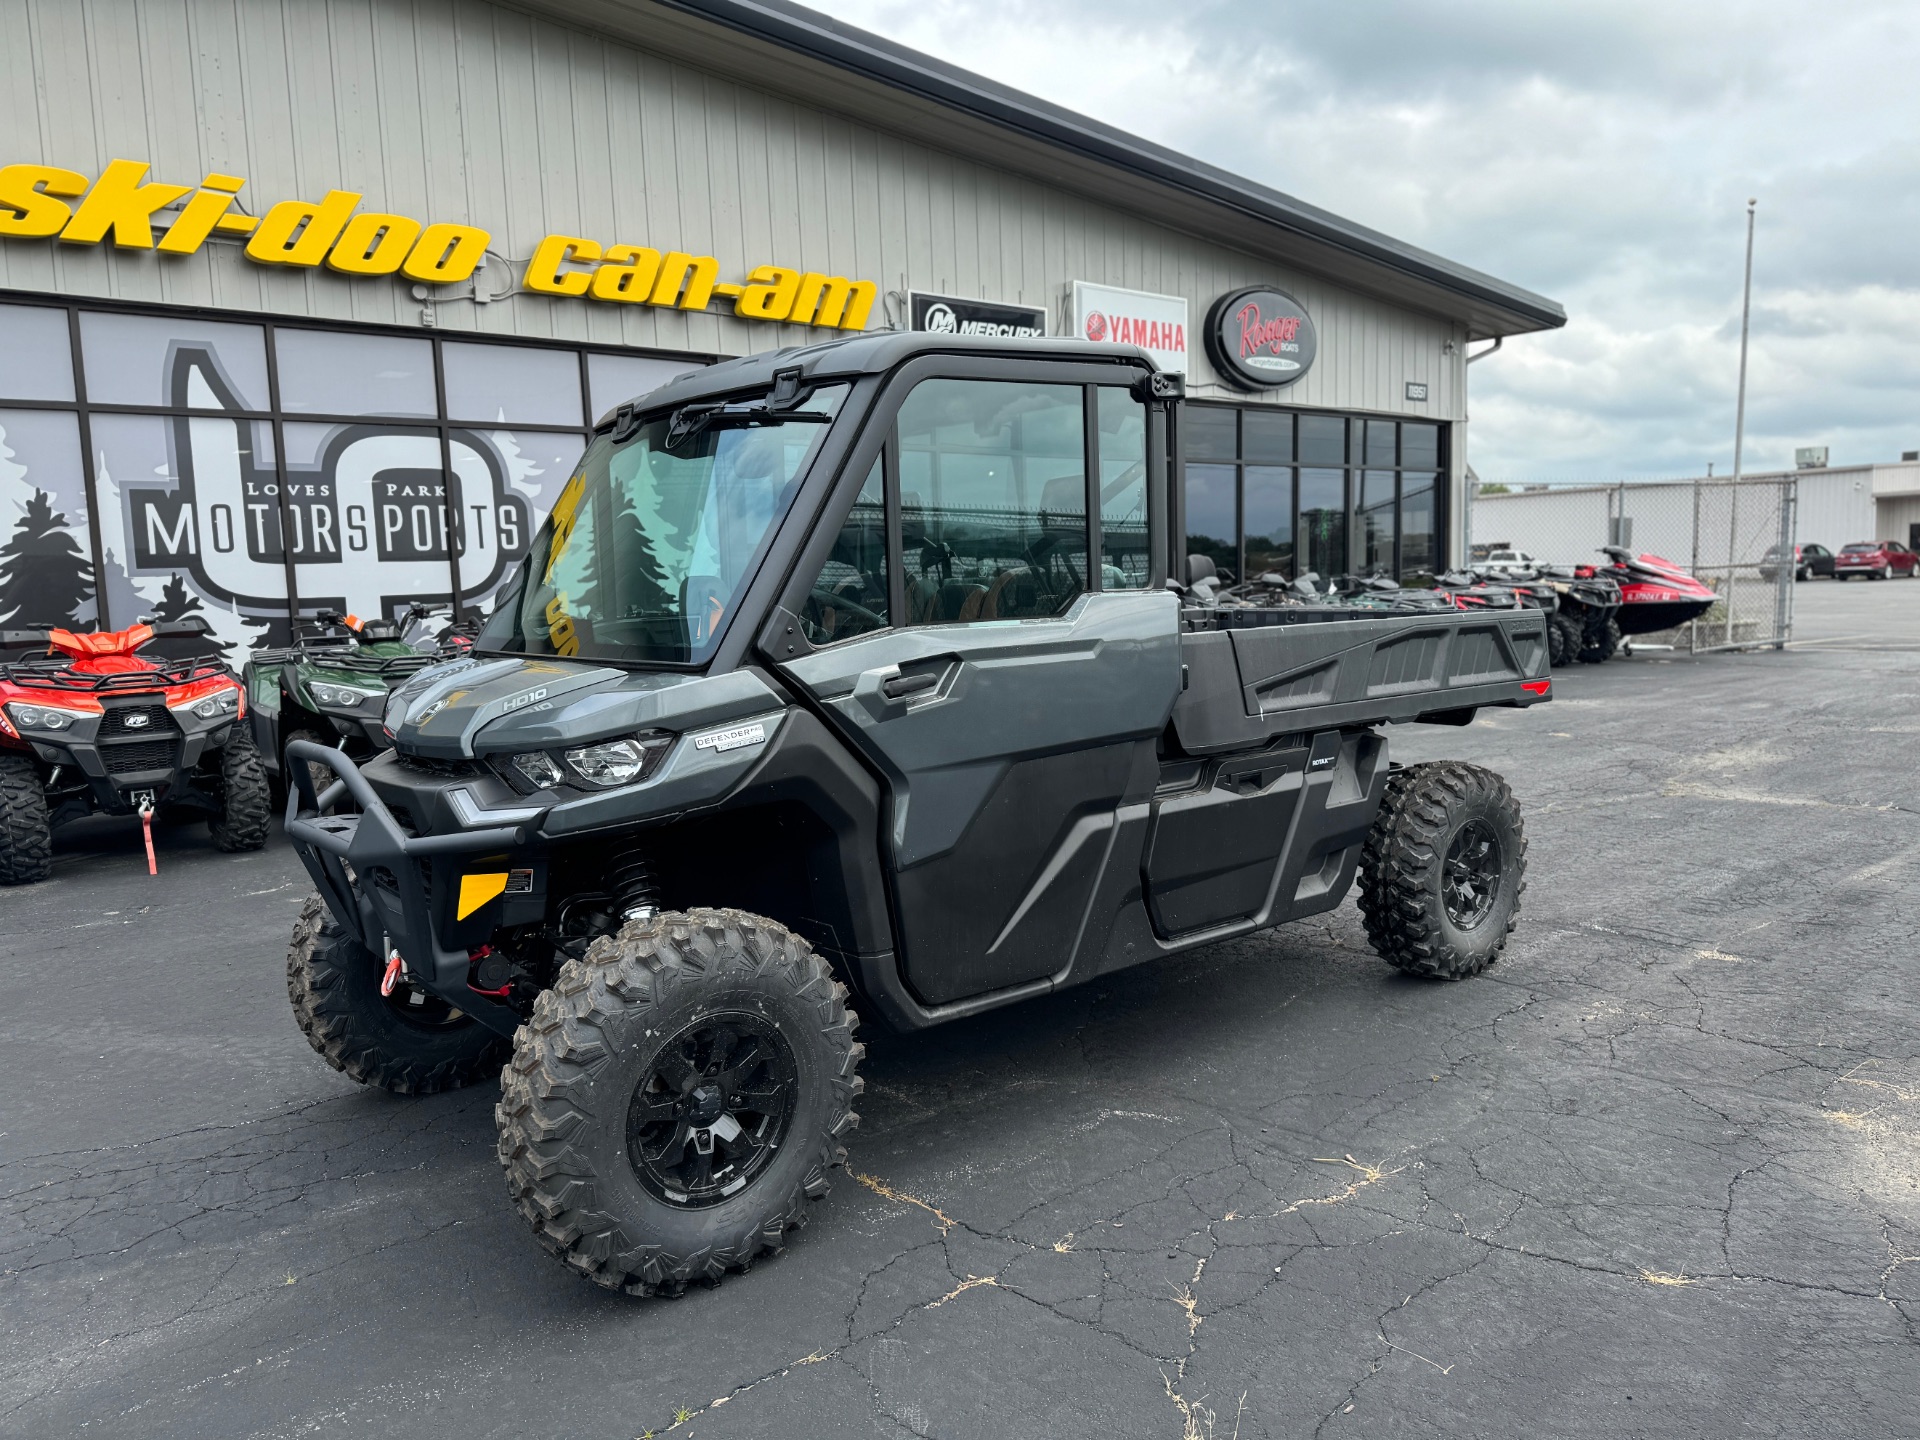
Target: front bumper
<point>392,890</point>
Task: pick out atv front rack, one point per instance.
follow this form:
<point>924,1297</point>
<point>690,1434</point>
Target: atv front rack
<point>48,673</point>
<point>367,870</point>
<point>329,657</point>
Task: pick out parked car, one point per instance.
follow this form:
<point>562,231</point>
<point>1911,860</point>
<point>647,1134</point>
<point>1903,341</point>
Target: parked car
<point>1809,562</point>
<point>1508,562</point>
<point>1876,559</point>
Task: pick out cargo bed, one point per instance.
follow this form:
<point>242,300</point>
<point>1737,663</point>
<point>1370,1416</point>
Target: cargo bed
<point>1254,674</point>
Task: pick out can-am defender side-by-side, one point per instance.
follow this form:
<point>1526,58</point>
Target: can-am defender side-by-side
<point>330,685</point>
<point>90,726</point>
<point>855,676</point>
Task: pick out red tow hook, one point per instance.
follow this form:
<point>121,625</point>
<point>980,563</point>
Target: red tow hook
<point>388,980</point>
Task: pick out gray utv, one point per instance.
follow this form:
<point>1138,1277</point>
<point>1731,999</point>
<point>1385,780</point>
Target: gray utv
<point>858,675</point>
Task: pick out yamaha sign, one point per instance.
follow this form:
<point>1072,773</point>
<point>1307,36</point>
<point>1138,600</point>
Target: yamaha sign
<point>1259,338</point>
<point>950,315</point>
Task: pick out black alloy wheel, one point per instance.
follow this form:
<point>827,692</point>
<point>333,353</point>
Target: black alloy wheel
<point>712,1110</point>
<point>1472,874</point>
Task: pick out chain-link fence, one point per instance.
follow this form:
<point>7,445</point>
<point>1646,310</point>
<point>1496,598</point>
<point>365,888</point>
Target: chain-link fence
<point>1737,538</point>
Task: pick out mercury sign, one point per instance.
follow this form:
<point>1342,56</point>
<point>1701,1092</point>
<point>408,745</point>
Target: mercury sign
<point>1156,323</point>
<point>1259,338</point>
<point>951,315</point>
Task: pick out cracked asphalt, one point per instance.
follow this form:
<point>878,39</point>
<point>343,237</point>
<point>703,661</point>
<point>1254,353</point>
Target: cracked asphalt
<point>1655,1174</point>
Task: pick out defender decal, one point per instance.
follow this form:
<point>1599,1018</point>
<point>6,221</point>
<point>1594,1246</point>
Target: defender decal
<point>733,739</point>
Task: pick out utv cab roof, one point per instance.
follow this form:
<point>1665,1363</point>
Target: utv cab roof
<point>871,354</point>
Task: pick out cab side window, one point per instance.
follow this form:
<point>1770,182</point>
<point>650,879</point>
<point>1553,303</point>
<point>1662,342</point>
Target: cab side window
<point>1125,558</point>
<point>849,595</point>
<point>993,500</point>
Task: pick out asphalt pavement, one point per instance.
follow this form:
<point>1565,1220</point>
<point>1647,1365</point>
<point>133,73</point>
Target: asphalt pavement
<point>1655,1174</point>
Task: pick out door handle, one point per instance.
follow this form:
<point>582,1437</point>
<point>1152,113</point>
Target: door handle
<point>901,686</point>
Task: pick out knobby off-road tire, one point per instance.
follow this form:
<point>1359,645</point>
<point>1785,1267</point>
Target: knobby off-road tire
<point>410,1043</point>
<point>1564,640</point>
<point>26,828</point>
<point>1420,916</point>
<point>245,800</point>
<point>1603,642</point>
<point>609,1072</point>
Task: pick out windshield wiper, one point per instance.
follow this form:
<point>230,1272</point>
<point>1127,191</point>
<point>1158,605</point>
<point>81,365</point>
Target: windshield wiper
<point>779,406</point>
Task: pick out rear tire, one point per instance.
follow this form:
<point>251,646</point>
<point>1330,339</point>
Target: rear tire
<point>410,1043</point>
<point>1602,642</point>
<point>612,1088</point>
<point>1443,870</point>
<point>245,801</point>
<point>1563,641</point>
<point>26,828</point>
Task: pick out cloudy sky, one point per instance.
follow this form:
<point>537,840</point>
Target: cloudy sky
<point>1598,153</point>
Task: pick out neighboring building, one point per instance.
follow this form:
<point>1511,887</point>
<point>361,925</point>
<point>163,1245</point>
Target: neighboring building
<point>1832,507</point>
<point>317,304</point>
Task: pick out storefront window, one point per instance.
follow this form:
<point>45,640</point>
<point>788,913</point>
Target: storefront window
<point>1269,507</point>
<point>511,384</point>
<point>383,497</point>
<point>1262,515</point>
<point>176,362</point>
<point>329,372</point>
<point>46,554</point>
<point>36,359</point>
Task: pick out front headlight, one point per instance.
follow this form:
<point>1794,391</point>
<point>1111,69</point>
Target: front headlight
<point>221,704</point>
<point>44,717</point>
<point>619,762</point>
<point>346,697</point>
<point>538,767</point>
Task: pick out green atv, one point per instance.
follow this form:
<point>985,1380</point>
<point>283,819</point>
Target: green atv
<point>330,686</point>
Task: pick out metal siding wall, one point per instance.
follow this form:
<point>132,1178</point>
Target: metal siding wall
<point>1560,526</point>
<point>450,110</point>
<point>1835,507</point>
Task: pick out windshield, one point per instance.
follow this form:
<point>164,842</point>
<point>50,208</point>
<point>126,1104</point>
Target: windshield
<point>646,547</point>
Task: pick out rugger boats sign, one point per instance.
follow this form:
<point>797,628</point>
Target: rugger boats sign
<point>135,213</point>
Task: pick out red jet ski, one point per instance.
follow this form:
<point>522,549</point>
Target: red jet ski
<point>1655,594</point>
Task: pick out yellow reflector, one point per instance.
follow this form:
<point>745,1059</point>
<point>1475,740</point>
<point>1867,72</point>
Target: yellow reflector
<point>477,890</point>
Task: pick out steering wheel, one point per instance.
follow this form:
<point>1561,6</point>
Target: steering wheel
<point>825,598</point>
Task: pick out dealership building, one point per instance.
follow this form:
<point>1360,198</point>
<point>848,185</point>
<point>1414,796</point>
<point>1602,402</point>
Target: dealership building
<point>314,305</point>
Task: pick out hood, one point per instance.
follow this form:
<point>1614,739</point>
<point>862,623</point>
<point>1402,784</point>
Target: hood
<point>490,704</point>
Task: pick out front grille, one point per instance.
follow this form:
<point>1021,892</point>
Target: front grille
<point>439,769</point>
<point>143,718</point>
<point>138,755</point>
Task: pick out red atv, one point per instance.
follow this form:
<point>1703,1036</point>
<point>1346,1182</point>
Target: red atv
<point>87,726</point>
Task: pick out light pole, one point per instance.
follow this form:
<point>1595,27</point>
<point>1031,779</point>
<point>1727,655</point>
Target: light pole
<point>1739,421</point>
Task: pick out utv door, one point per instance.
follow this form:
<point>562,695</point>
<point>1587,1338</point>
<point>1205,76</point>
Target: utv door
<point>1009,694</point>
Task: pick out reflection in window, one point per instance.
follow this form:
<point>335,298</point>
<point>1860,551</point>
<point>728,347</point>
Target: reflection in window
<point>46,553</point>
<point>1269,502</point>
<point>1417,551</point>
<point>1323,521</point>
<point>511,384</point>
<point>1380,442</point>
<point>1211,432</point>
<point>1213,523</point>
<point>616,379</point>
<point>173,361</point>
<point>1123,490</point>
<point>1420,446</point>
<point>1377,525</point>
<point>993,500</point>
<point>36,357</point>
<point>849,596</point>
<point>1267,436</point>
<point>1323,440</point>
<point>325,372</point>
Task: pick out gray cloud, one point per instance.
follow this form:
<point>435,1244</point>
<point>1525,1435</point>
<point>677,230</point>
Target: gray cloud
<point>1599,153</point>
